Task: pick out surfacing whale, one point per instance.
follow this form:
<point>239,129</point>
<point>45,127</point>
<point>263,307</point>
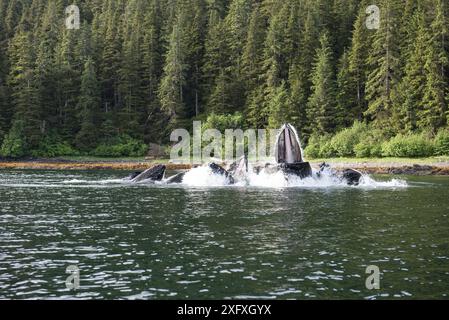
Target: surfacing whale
<point>289,159</point>
<point>288,153</point>
<point>155,173</point>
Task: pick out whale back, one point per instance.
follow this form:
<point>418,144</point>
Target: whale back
<point>288,148</point>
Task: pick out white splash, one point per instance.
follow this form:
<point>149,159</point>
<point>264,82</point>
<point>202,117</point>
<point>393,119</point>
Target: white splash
<point>110,181</point>
<point>369,182</point>
<point>204,177</point>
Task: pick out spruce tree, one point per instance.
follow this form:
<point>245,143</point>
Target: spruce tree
<point>280,108</point>
<point>435,104</point>
<point>414,82</point>
<point>347,110</point>
<point>383,61</point>
<point>171,90</point>
<point>24,84</point>
<point>130,75</point>
<point>321,106</point>
<point>301,70</point>
<point>152,64</point>
<point>88,108</point>
<point>357,60</point>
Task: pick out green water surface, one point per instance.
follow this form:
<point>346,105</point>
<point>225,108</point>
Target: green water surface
<point>163,242</point>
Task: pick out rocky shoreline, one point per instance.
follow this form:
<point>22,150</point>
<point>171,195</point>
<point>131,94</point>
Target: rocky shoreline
<point>366,167</point>
<point>398,169</point>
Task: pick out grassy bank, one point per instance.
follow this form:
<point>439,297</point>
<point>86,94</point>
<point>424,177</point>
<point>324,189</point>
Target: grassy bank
<point>443,160</point>
<point>411,166</point>
<point>418,166</point>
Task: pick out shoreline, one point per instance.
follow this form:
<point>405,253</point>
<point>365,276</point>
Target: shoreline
<point>370,166</point>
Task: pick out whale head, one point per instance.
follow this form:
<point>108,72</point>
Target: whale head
<point>288,148</point>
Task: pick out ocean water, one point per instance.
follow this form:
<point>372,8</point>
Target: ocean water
<point>266,238</point>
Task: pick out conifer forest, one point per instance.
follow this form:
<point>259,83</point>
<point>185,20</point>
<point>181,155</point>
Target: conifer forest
<point>134,70</point>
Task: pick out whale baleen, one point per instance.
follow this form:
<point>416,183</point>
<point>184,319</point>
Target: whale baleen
<point>288,147</point>
<point>288,153</point>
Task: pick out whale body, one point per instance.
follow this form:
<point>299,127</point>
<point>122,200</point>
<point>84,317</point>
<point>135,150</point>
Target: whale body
<point>177,178</point>
<point>216,169</point>
<point>155,173</point>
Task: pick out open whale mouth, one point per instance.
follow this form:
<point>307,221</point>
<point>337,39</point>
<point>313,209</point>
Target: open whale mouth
<point>288,148</point>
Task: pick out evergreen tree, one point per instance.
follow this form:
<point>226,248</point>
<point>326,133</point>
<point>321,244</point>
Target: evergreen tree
<point>46,72</point>
<point>414,81</point>
<point>357,61</point>
<point>216,58</point>
<point>252,62</point>
<point>130,74</point>
<point>152,64</point>
<point>383,61</point>
<point>347,109</point>
<point>253,50</point>
<point>280,108</point>
<point>301,70</point>
<point>88,108</point>
<point>171,91</point>
<point>321,106</point>
<point>24,85</point>
<point>5,112</point>
<point>434,112</point>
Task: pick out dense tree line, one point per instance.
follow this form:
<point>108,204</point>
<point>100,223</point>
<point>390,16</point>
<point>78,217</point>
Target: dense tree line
<point>139,68</point>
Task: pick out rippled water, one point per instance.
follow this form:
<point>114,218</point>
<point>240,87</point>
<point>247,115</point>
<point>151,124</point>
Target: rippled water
<point>141,241</point>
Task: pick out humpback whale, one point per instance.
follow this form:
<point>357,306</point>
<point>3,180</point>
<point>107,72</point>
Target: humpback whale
<point>216,169</point>
<point>177,178</point>
<point>288,148</point>
<point>350,176</point>
<point>289,160</point>
<point>288,153</point>
<point>155,173</point>
<point>239,169</point>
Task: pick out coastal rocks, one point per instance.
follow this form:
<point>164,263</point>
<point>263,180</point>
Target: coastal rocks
<point>413,170</point>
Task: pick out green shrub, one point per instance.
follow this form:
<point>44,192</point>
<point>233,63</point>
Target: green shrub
<point>313,148</point>
<point>343,143</point>
<point>410,145</point>
<point>52,146</point>
<point>370,145</point>
<point>442,143</point>
<point>14,144</point>
<point>123,146</point>
<point>223,122</point>
<point>363,149</point>
<point>317,146</point>
<point>326,148</point>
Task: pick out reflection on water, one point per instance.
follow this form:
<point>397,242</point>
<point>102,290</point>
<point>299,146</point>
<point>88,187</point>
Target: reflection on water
<point>137,242</point>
